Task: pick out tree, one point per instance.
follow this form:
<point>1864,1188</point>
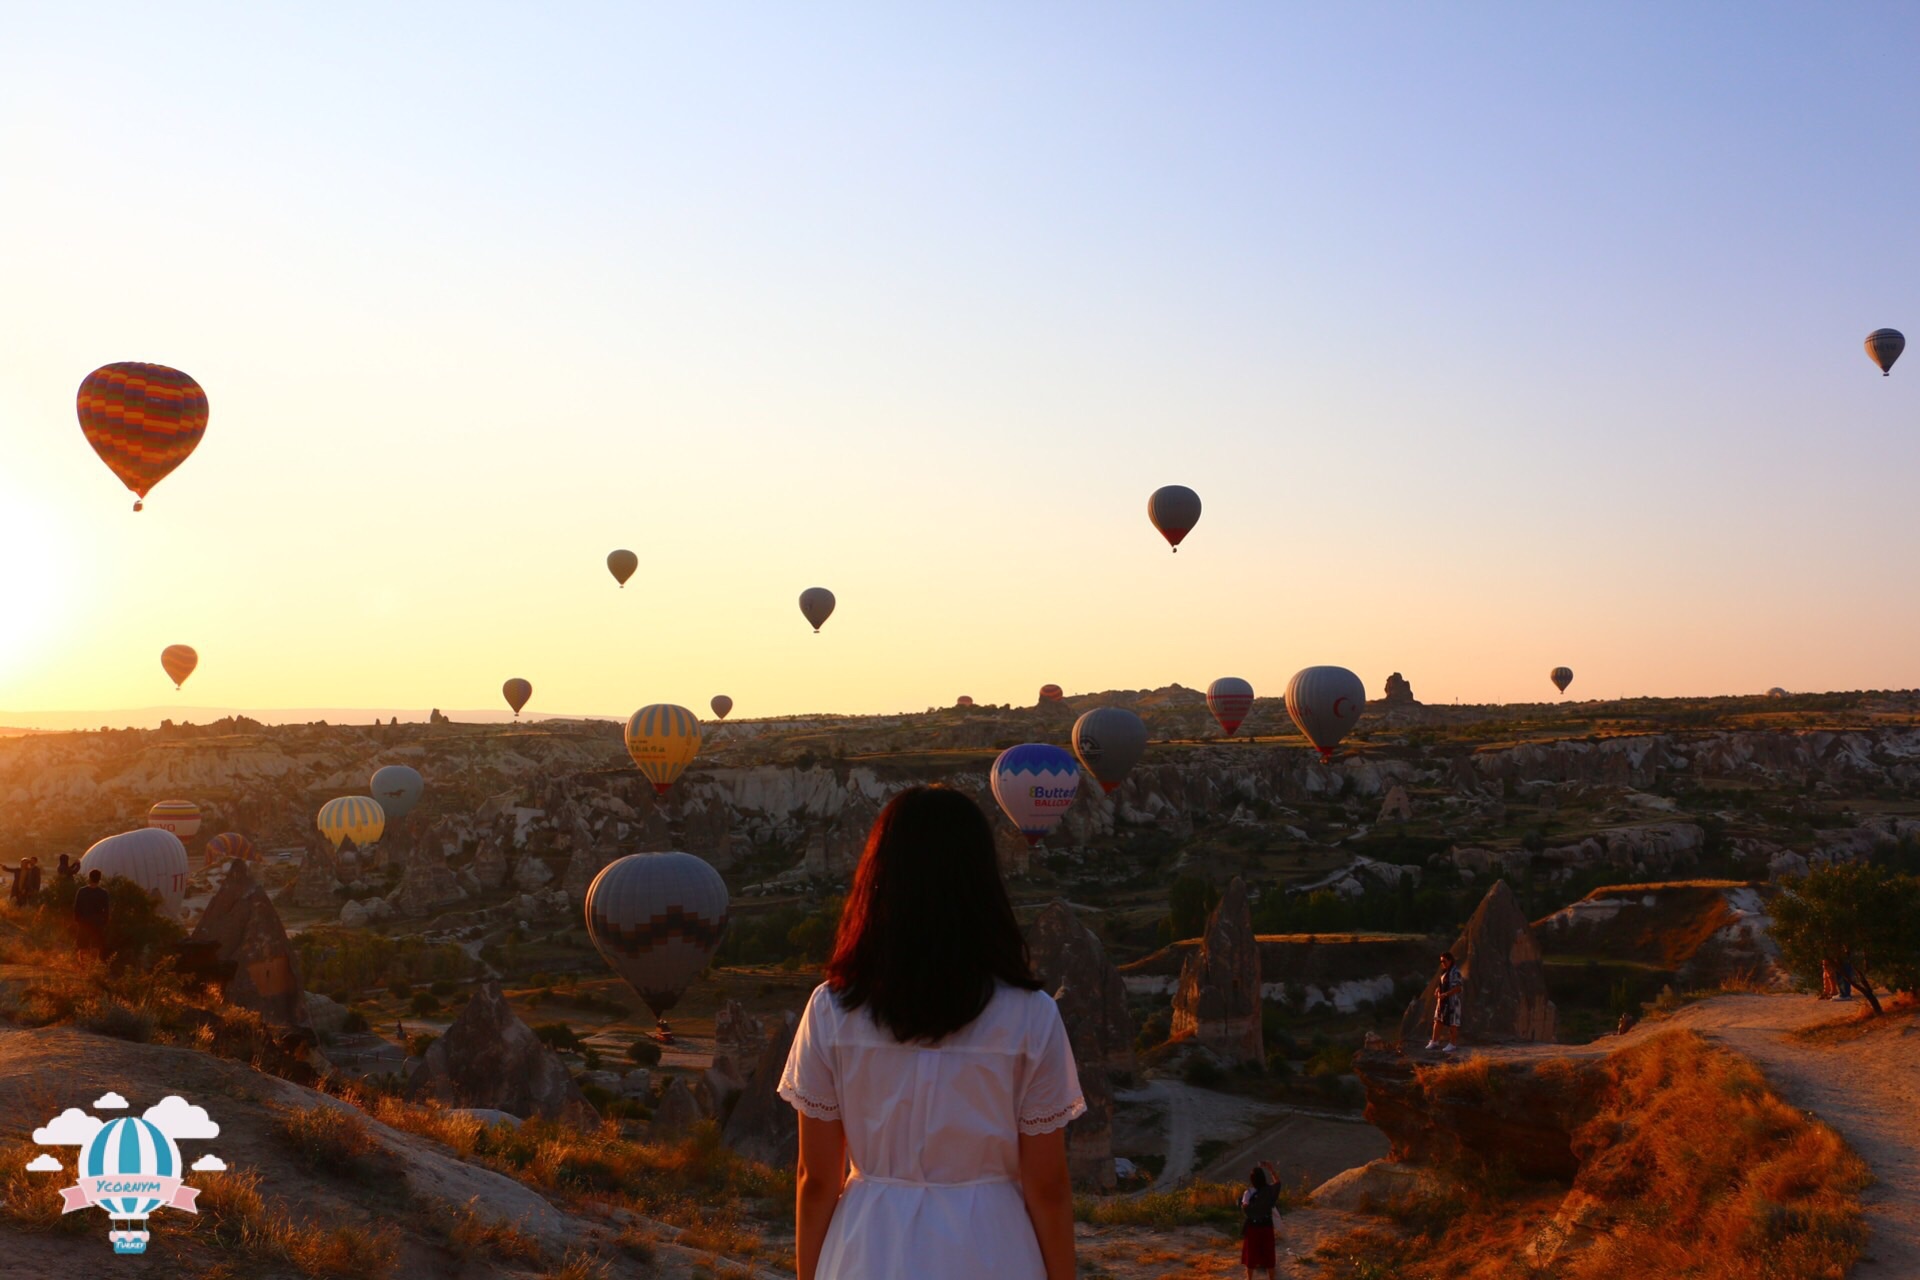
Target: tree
<point>1870,910</point>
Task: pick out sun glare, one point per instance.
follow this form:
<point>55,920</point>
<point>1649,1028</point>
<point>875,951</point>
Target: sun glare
<point>34,581</point>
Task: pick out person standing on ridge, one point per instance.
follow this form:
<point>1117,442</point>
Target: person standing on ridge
<point>931,1062</point>
<point>1257,1204</point>
<point>67,869</point>
<point>92,913</point>
<point>1446,1006</point>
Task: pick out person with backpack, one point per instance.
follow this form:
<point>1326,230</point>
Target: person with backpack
<point>1257,1204</point>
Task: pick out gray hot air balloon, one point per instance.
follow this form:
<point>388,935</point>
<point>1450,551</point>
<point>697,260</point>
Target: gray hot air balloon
<point>656,918</point>
<point>721,704</point>
<point>516,691</point>
<point>1325,702</point>
<point>817,604</point>
<point>1884,347</point>
<point>621,565</point>
<point>1561,677</point>
<point>1109,742</point>
<point>397,788</point>
<point>1174,510</point>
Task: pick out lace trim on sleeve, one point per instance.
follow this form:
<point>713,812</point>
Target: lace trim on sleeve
<point>1034,1126</point>
<point>811,1107</point>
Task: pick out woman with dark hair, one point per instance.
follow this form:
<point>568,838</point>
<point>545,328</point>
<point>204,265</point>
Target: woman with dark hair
<point>1257,1204</point>
<point>931,1062</point>
<point>1446,1005</point>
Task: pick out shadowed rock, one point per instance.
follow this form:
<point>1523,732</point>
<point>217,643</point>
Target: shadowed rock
<point>315,885</point>
<point>1218,1000</point>
<point>245,928</point>
<point>427,884</point>
<point>763,1126</point>
<point>489,1058</point>
<point>1504,991</point>
<point>1069,959</point>
<point>1509,1114</point>
<point>682,1106</point>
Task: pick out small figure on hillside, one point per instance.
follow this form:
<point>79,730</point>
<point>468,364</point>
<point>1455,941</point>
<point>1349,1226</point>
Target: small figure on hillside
<point>1446,1006</point>
<point>1257,1204</point>
<point>68,868</point>
<point>32,879</point>
<point>1828,988</point>
<point>17,889</point>
<point>1843,974</point>
<point>92,913</point>
<point>1627,1023</point>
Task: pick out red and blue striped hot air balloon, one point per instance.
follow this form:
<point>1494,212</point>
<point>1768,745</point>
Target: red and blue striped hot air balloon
<point>1035,784</point>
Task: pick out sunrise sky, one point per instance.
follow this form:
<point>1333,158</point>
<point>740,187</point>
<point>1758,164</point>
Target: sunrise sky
<point>1493,337</point>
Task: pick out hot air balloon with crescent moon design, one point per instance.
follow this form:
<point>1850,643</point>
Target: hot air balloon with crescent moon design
<point>1174,510</point>
<point>663,740</point>
<point>1325,702</point>
<point>143,420</point>
<point>656,919</point>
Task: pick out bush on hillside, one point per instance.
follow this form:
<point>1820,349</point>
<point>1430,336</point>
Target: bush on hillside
<point>1870,909</point>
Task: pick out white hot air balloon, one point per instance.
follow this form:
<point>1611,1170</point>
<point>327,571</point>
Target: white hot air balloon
<point>1325,702</point>
<point>152,858</point>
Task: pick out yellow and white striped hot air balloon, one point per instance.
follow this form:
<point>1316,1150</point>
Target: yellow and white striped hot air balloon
<point>182,817</point>
<point>663,740</point>
<point>356,818</point>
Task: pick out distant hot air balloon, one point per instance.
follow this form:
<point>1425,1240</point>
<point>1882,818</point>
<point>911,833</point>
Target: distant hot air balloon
<point>963,701</point>
<point>143,420</point>
<point>1109,742</point>
<point>1884,347</point>
<point>1776,692</point>
<point>621,565</point>
<point>1229,699</point>
<point>356,818</point>
<point>663,740</point>
<point>1325,702</point>
<point>1174,510</point>
<point>516,691</point>
<point>229,845</point>
<point>398,788</point>
<point>656,918</point>
<point>816,604</point>
<point>721,704</point>
<point>1035,784</point>
<point>1051,693</point>
<point>151,858</point>
<point>178,661</point>
<point>1561,677</point>
<point>182,817</point>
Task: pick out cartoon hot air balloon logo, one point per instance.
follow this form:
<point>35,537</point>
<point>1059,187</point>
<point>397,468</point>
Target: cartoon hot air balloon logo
<point>130,1167</point>
<point>621,565</point>
<point>1229,699</point>
<point>1035,784</point>
<point>178,661</point>
<point>816,606</point>
<point>1884,347</point>
<point>656,919</point>
<point>182,817</point>
<point>663,740</point>
<point>1109,742</point>
<point>356,818</point>
<point>143,420</point>
<point>1325,702</point>
<point>516,691</point>
<point>1174,510</point>
<point>1561,677</point>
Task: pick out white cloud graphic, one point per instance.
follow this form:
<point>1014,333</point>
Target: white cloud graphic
<point>179,1119</point>
<point>209,1164</point>
<point>44,1164</point>
<point>71,1128</point>
<point>109,1101</point>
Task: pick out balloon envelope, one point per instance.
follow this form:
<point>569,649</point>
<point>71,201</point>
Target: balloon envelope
<point>138,1154</point>
<point>1051,693</point>
<point>621,565</point>
<point>963,701</point>
<point>1229,699</point>
<point>229,845</point>
<point>516,691</point>
<point>151,858</point>
<point>1035,784</point>
<point>1884,347</point>
<point>398,788</point>
<point>178,661</point>
<point>356,818</point>
<point>1325,702</point>
<point>1109,742</point>
<point>1561,677</point>
<point>663,740</point>
<point>656,918</point>
<point>1174,510</point>
<point>142,419</point>
<point>721,704</point>
<point>816,605</point>
<point>182,817</point>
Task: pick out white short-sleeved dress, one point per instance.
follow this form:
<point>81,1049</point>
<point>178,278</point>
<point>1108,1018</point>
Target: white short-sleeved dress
<point>933,1135</point>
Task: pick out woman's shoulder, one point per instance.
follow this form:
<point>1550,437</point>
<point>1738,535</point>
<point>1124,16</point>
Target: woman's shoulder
<point>1032,1010</point>
<point>823,1006</point>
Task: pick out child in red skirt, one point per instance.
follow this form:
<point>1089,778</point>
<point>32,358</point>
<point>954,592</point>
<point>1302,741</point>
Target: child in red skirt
<point>1256,1235</point>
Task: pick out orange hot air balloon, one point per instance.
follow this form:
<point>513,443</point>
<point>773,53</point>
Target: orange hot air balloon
<point>143,420</point>
<point>178,661</point>
<point>516,691</point>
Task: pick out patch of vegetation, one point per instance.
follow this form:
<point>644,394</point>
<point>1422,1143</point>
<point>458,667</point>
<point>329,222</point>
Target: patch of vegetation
<point>1866,913</point>
<point>331,1139</point>
<point>1196,1205</point>
<point>354,960</point>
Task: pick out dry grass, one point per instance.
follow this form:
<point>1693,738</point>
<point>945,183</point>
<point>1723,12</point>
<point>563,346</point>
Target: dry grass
<point>331,1140</point>
<point>1198,1204</point>
<point>31,1201</point>
<point>1901,1016</point>
<point>470,1235</point>
<point>1698,1170</point>
<point>236,1219</point>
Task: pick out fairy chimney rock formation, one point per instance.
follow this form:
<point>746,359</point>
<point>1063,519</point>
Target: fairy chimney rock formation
<point>763,1126</point>
<point>489,1058</point>
<point>1400,692</point>
<point>427,884</point>
<point>242,923</point>
<point>1072,964</point>
<point>315,885</point>
<point>1398,805</point>
<point>1504,982</point>
<point>1217,1003</point>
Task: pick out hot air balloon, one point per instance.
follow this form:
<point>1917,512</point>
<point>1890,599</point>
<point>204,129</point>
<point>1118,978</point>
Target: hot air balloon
<point>229,845</point>
<point>1035,784</point>
<point>656,918</point>
<point>516,691</point>
<point>356,818</point>
<point>178,661</point>
<point>151,858</point>
<point>143,420</point>
<point>963,701</point>
<point>621,565</point>
<point>397,787</point>
<point>1174,510</point>
<point>1776,692</point>
<point>1884,347</point>
<point>1051,693</point>
<point>1325,702</point>
<point>1109,742</point>
<point>182,817</point>
<point>134,1154</point>
<point>663,740</point>
<point>721,704</point>
<point>1561,677</point>
<point>1229,699</point>
<point>816,604</point>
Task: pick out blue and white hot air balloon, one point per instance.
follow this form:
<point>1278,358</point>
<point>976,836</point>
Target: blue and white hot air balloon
<point>1035,785</point>
<point>134,1168</point>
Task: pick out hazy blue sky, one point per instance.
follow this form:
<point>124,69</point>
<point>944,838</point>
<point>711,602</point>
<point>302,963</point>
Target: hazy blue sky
<point>1493,337</point>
